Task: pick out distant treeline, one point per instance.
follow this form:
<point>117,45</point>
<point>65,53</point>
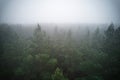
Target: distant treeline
<point>59,54</point>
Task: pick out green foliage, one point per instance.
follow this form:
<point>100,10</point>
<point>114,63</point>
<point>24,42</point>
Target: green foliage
<point>42,57</point>
<point>19,71</point>
<point>63,55</point>
<point>90,67</point>
<point>58,75</point>
<point>52,62</point>
<point>90,78</point>
<point>46,76</point>
<point>29,58</point>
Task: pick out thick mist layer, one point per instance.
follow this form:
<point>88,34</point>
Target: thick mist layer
<point>59,11</point>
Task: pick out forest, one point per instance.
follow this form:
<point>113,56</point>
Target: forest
<point>37,52</point>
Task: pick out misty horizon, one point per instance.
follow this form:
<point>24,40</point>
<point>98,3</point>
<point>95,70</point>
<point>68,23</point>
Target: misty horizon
<point>59,11</point>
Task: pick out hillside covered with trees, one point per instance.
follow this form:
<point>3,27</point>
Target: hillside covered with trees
<point>59,54</point>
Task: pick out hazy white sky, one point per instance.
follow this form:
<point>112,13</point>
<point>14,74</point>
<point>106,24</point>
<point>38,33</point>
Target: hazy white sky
<point>59,11</point>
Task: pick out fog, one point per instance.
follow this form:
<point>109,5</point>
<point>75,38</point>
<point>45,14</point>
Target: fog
<point>59,39</point>
<point>59,11</point>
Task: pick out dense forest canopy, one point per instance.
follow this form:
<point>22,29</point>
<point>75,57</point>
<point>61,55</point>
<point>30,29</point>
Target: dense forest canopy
<point>54,52</point>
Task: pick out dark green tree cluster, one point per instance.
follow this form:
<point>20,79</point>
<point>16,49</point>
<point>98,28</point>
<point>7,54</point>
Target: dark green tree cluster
<point>63,55</point>
<point>112,49</point>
